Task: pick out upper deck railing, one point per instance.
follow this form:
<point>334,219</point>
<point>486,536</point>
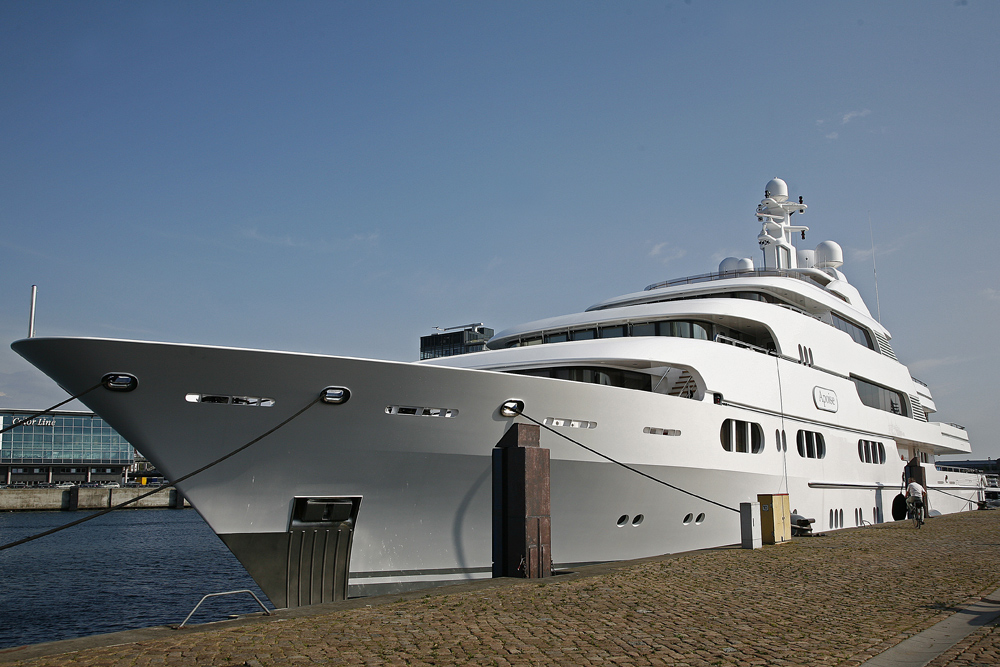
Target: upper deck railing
<point>751,273</point>
<point>946,468</point>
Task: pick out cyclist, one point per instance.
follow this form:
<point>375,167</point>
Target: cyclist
<point>916,496</point>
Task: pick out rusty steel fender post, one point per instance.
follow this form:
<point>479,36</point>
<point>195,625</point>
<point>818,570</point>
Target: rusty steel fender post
<point>522,524</point>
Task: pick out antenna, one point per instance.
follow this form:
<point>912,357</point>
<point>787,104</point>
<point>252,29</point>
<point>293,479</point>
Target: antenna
<point>878,308</point>
<point>31,313</point>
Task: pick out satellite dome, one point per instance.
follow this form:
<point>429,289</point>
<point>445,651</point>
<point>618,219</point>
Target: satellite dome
<point>729,265</point>
<point>778,189</point>
<point>829,255</point>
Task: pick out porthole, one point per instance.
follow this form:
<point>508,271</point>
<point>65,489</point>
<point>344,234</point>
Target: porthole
<point>871,452</point>
<point>841,518</point>
<point>230,400</point>
<point>622,520</point>
<point>688,518</point>
<point>810,445</point>
<point>833,518</point>
<point>700,519</point>
<point>660,431</point>
<point>741,436</point>
<point>638,519</point>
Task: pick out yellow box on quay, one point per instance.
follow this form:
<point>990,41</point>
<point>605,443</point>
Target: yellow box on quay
<point>775,518</point>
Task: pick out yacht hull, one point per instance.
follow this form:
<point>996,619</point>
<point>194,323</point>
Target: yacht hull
<point>412,449</point>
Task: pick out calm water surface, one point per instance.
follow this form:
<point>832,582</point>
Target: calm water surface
<point>125,570</point>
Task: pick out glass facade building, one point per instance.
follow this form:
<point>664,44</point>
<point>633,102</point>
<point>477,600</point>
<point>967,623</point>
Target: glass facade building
<point>61,446</point>
<point>471,338</point>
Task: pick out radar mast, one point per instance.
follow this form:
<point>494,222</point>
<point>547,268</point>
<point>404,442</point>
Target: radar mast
<point>775,237</point>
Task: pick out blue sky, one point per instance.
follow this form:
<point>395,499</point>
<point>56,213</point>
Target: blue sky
<point>341,177</point>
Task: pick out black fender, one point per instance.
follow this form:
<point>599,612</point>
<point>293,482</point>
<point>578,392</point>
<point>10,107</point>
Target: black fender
<point>899,507</point>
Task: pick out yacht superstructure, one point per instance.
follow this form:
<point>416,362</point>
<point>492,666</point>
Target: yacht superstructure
<point>742,382</point>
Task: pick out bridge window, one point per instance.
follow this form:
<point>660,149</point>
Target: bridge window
<point>675,328</point>
<point>618,331</point>
<point>877,396</point>
<point>611,377</point>
<point>859,334</point>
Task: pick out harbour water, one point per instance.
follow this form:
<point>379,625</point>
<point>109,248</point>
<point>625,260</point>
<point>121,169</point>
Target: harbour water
<point>125,570</point>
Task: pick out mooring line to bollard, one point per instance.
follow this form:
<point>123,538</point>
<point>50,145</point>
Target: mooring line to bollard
<point>126,503</point>
<point>36,415</point>
<point>952,495</point>
<point>625,465</point>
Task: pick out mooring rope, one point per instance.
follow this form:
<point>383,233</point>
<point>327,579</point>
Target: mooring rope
<point>126,503</point>
<point>626,466</point>
<point>25,420</point>
<point>951,494</point>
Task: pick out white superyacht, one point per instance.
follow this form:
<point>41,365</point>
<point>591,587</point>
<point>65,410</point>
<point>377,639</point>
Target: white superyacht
<point>751,380</point>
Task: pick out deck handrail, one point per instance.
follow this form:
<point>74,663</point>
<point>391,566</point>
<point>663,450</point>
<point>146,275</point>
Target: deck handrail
<point>943,468</point>
<point>754,273</point>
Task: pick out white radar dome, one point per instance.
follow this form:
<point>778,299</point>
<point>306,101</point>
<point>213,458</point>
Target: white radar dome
<point>778,189</point>
<point>729,265</point>
<point>829,255</point>
<point>735,265</point>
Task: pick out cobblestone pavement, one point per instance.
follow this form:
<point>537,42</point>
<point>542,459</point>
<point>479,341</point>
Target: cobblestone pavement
<point>978,649</point>
<point>828,600</point>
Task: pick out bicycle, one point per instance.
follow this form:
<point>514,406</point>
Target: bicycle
<point>917,512</point>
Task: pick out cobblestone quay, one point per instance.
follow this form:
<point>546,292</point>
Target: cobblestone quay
<point>837,599</point>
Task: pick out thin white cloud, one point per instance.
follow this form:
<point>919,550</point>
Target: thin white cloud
<point>284,241</point>
<point>990,294</point>
<point>823,124</point>
<point>291,242</point>
<point>720,255</point>
<point>665,253</point>
<point>860,254</point>
<point>891,246</point>
<point>851,115</point>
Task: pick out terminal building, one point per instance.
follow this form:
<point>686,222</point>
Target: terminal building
<point>455,340</point>
<point>62,446</point>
